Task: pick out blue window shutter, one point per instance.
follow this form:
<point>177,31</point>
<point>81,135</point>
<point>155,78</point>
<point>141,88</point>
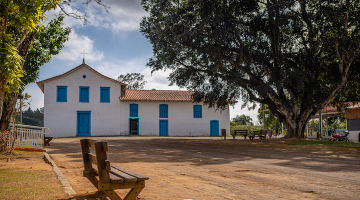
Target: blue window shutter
<point>163,111</point>
<point>104,94</point>
<point>197,109</point>
<point>133,110</point>
<point>84,94</point>
<point>61,94</point>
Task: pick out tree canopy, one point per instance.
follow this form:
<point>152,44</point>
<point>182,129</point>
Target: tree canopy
<point>293,55</point>
<point>243,120</point>
<point>134,80</point>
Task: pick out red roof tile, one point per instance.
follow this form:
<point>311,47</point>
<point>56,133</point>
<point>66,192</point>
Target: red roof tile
<point>157,95</point>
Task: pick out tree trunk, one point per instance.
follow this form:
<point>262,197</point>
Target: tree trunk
<point>8,111</point>
<point>295,130</point>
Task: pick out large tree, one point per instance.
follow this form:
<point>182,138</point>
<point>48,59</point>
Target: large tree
<point>134,80</point>
<point>21,24</point>
<point>293,55</point>
<point>36,50</point>
<point>18,20</point>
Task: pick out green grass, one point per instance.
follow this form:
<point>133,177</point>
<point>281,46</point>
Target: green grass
<point>334,143</point>
<point>24,185</point>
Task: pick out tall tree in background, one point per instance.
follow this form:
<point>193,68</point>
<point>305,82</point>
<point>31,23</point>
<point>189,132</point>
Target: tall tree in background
<point>134,80</point>
<point>36,50</point>
<point>293,55</point>
<point>243,120</point>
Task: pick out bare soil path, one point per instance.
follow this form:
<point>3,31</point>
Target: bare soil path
<point>216,169</point>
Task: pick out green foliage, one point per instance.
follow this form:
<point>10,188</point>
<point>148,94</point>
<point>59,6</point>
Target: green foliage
<point>33,117</point>
<point>25,17</point>
<point>243,120</point>
<point>295,56</point>
<point>272,123</point>
<point>49,42</point>
<point>134,80</point>
<point>10,65</point>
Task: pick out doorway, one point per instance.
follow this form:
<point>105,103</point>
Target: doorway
<point>133,126</point>
<point>83,123</point>
<point>214,128</point>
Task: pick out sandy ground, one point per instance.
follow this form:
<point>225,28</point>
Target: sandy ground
<point>181,168</point>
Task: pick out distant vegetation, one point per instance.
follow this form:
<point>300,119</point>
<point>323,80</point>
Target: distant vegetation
<point>242,122</point>
<point>33,117</point>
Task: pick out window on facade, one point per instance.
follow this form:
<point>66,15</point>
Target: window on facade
<point>84,94</point>
<point>104,95</point>
<point>133,110</point>
<point>163,111</point>
<point>197,111</point>
<point>61,94</point>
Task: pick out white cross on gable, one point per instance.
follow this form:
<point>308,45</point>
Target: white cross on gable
<point>84,56</point>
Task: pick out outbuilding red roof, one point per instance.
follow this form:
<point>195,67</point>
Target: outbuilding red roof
<point>157,95</point>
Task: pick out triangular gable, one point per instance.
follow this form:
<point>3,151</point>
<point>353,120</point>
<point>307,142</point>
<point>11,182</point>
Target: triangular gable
<point>41,83</point>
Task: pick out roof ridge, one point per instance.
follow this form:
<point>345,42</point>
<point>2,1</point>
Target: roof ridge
<point>41,83</point>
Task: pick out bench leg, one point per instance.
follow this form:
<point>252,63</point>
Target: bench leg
<point>112,195</point>
<point>94,181</point>
<point>133,194</point>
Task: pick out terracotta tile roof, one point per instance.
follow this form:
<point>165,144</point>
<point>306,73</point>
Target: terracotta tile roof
<point>157,95</point>
<point>41,83</point>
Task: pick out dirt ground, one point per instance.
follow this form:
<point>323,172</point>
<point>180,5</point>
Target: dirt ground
<point>181,168</point>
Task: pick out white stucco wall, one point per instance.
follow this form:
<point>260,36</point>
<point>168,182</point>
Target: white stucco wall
<point>354,136</point>
<point>180,119</point>
<point>61,117</point>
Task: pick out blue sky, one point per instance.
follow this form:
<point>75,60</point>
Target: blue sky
<point>114,45</point>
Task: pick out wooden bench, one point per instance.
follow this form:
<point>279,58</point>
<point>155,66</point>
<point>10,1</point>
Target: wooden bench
<point>107,178</point>
<point>240,132</point>
<point>261,134</point>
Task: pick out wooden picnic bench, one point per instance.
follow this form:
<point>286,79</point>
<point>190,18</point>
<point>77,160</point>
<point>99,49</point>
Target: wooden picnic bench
<point>240,132</point>
<point>110,177</point>
<point>261,134</point>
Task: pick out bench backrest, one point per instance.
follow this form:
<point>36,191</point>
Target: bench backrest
<point>262,132</point>
<point>241,131</point>
<point>99,159</point>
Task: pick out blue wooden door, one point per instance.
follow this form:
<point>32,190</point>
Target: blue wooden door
<point>83,123</point>
<point>214,128</point>
<point>163,128</point>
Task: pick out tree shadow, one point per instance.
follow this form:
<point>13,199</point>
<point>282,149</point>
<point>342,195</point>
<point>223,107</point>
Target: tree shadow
<point>202,152</point>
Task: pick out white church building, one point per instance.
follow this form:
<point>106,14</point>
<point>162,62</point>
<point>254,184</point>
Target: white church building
<point>83,102</point>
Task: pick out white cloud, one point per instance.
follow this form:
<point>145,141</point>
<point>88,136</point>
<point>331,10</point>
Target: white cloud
<point>157,80</point>
<point>123,15</point>
<point>75,45</point>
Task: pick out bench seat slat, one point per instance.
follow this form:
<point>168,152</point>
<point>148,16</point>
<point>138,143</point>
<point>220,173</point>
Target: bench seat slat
<point>113,178</point>
<point>138,176</point>
<point>125,176</point>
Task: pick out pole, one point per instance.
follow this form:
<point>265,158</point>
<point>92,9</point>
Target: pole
<point>320,122</point>
<point>264,125</point>
<point>20,113</point>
